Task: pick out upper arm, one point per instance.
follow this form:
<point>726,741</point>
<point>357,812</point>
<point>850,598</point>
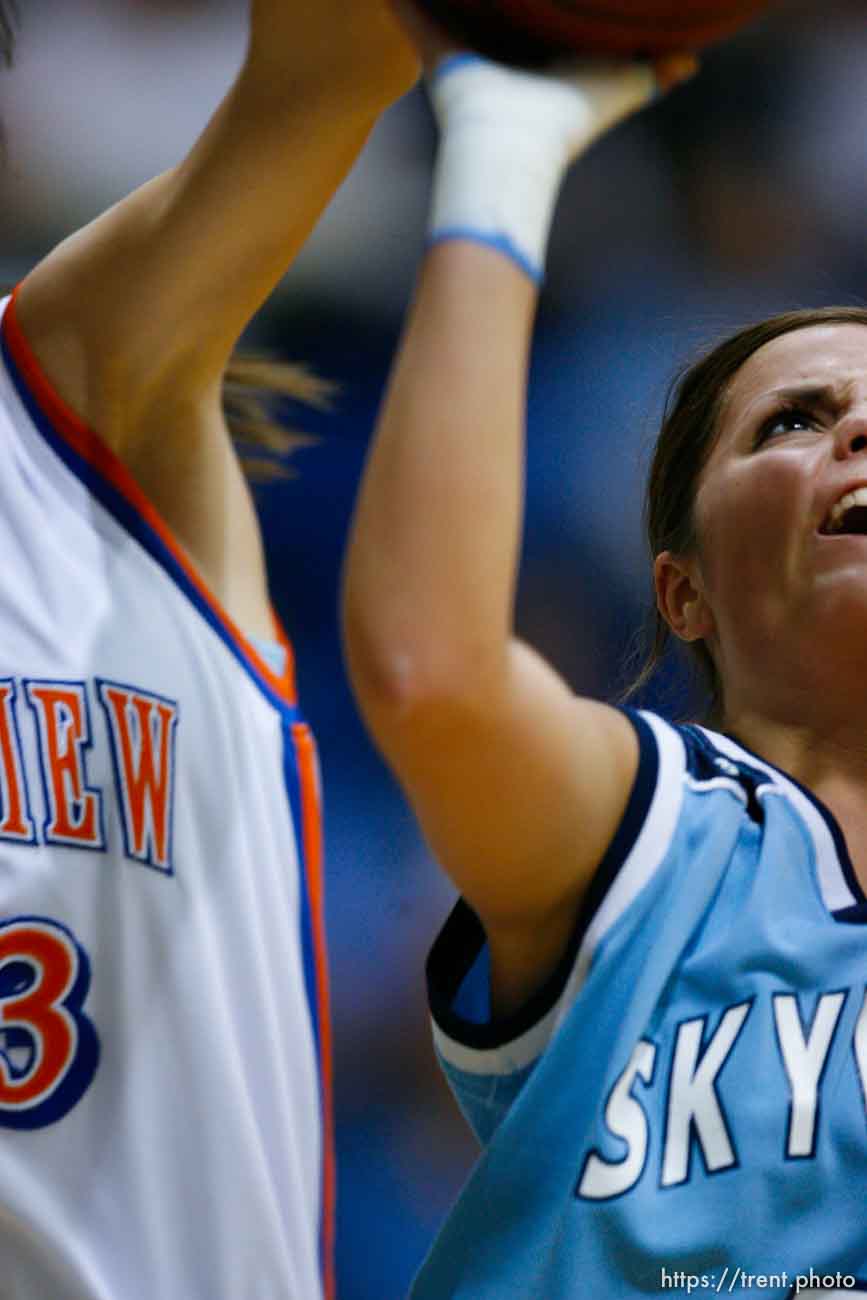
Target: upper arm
<point>519,789</point>
<point>134,318</point>
<point>178,451</point>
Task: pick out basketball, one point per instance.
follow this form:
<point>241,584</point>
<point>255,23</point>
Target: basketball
<point>534,31</point>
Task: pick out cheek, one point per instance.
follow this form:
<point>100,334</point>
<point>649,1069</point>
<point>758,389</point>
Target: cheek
<point>744,520</point>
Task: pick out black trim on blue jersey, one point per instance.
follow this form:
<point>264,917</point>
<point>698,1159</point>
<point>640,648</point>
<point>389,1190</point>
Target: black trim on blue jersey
<point>705,762</point>
<point>633,819</point>
<point>857,912</point>
<point>126,514</point>
<point>462,937</point>
<point>450,960</point>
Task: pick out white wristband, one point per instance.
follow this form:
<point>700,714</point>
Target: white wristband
<point>507,139</point>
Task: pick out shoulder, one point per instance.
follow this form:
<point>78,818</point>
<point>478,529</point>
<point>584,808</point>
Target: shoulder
<point>177,455</point>
<point>688,809</point>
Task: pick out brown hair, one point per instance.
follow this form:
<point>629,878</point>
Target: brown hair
<point>252,386</point>
<point>690,426</point>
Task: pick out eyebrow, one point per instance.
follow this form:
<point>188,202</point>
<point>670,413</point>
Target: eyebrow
<point>810,394</point>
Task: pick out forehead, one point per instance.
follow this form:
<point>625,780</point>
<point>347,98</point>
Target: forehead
<point>816,356</point>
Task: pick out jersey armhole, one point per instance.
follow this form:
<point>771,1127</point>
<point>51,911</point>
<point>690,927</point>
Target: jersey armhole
<point>480,1045</point>
<point>110,482</point>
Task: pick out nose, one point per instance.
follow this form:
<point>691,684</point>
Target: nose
<point>852,433</point>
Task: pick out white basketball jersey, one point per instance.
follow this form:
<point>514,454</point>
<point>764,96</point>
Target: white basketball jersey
<point>164,1076</point>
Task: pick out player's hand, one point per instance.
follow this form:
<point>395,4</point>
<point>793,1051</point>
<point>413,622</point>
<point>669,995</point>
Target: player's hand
<point>606,92</point>
<point>614,89</point>
<point>563,108</point>
<point>508,135</point>
<point>674,69</point>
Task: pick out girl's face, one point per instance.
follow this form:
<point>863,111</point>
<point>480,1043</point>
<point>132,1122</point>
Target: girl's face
<point>782,554</point>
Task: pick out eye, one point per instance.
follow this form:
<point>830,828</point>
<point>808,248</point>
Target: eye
<point>787,419</point>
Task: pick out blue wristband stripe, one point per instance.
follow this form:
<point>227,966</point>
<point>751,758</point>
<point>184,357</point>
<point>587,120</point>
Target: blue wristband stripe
<point>501,243</point>
<point>452,62</point>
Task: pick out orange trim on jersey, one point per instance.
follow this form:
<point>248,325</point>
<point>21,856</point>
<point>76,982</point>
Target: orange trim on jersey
<point>289,670</point>
<point>16,823</point>
<point>311,830</point>
<point>91,447</point>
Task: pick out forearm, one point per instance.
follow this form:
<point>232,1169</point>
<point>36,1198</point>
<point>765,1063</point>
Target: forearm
<point>154,293</point>
<point>313,84</point>
<point>211,238</point>
<point>430,570</point>
<point>353,47</point>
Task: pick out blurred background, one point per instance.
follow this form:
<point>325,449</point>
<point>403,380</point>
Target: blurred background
<point>741,195</point>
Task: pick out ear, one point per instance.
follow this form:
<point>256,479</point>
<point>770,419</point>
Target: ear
<point>680,597</point>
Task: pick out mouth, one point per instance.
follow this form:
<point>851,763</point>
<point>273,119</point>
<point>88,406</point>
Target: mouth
<point>848,516</point>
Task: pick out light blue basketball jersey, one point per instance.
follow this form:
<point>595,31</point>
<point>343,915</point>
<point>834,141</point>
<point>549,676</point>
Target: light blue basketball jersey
<point>681,1110</point>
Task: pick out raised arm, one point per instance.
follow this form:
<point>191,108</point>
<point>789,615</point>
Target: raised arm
<point>205,243</point>
<point>134,317</point>
<point>518,785</point>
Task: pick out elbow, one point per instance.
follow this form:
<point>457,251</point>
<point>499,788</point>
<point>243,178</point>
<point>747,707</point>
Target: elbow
<point>399,675</point>
<point>383,673</point>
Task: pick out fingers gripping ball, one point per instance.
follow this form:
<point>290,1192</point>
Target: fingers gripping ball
<point>531,31</point>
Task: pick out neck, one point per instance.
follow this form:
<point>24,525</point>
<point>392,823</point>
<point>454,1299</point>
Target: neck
<point>803,729</point>
<point>805,710</point>
<point>828,756</point>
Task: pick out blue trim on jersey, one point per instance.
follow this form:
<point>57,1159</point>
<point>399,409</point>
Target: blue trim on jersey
<point>460,943</point>
<point>128,516</point>
<point>292,779</point>
<point>308,949</point>
<point>452,62</point>
<point>500,244</point>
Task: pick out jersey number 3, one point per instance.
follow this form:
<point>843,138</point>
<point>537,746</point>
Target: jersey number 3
<point>49,1049</point>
